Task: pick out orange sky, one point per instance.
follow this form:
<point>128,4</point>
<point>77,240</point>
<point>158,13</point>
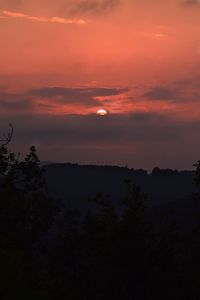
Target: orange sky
<point>147,52</point>
<point>130,42</point>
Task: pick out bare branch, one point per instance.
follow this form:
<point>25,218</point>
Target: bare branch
<point>5,140</point>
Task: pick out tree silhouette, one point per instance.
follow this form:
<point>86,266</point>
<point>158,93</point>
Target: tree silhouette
<point>49,251</point>
<point>26,214</point>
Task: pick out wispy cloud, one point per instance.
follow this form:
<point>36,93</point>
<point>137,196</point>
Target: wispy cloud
<point>191,2</point>
<point>77,92</point>
<point>160,93</point>
<point>13,14</point>
<point>94,6</point>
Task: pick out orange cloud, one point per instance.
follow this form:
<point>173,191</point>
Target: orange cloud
<point>66,21</point>
<point>12,14</point>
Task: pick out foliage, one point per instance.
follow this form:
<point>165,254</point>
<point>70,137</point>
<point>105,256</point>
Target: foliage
<point>107,253</point>
<point>26,214</point>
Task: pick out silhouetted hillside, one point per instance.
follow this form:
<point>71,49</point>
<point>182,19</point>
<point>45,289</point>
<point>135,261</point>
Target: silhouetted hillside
<point>128,248</point>
<point>75,184</point>
<point>70,181</point>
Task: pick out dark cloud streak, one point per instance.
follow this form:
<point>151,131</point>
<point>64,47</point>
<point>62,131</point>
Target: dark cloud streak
<point>139,140</point>
<point>115,128</point>
<point>94,6</point>
<point>191,2</point>
<point>13,102</point>
<point>49,97</point>
<point>161,93</point>
<point>85,96</point>
<point>62,91</point>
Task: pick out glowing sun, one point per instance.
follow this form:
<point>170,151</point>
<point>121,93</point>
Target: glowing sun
<point>102,112</point>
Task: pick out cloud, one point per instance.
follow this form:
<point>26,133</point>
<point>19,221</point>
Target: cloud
<point>191,2</point>
<point>9,3</point>
<point>44,101</point>
<point>90,92</point>
<point>83,96</point>
<point>12,14</point>
<point>138,140</point>
<point>115,128</point>
<point>160,93</point>
<point>56,100</point>
<point>11,102</point>
<point>60,8</point>
<point>67,21</point>
<point>94,6</point>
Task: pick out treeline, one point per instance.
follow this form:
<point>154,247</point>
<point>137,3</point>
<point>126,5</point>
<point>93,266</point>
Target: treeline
<point>155,171</point>
<point>48,251</point>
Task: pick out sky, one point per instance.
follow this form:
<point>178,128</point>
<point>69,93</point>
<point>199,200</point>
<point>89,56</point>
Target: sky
<point>63,60</point>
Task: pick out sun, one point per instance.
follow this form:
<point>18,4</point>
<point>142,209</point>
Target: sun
<point>102,112</point>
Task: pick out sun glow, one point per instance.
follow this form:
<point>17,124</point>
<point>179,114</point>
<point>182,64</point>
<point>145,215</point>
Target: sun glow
<point>102,112</point>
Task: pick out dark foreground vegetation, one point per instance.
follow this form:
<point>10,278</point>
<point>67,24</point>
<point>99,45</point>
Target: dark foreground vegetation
<point>49,251</point>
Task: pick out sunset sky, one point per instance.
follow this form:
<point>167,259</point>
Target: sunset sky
<point>63,60</point>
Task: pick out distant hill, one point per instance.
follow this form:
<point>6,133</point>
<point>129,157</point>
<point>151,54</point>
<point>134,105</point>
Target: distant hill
<point>75,184</point>
<point>72,181</point>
